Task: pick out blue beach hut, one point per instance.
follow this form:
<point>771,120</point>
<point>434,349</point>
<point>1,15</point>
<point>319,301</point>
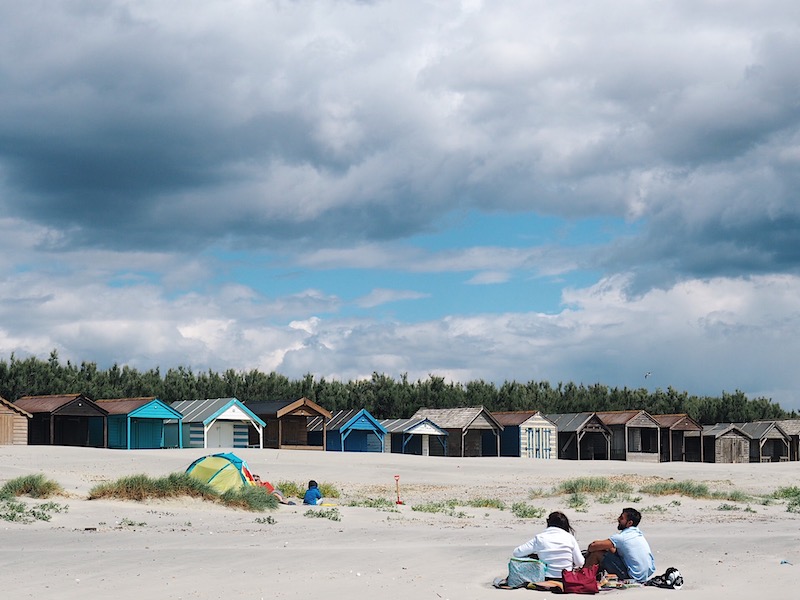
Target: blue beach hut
<point>349,431</point>
<point>138,423</point>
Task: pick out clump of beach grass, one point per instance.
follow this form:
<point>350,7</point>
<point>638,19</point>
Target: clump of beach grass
<point>293,489</point>
<point>249,497</point>
<point>578,502</point>
<point>448,507</point>
<point>35,486</point>
<point>791,495</point>
<point>380,503</point>
<point>594,485</point>
<point>692,489</point>
<point>142,487</point>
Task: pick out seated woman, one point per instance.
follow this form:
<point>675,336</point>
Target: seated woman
<point>556,546</point>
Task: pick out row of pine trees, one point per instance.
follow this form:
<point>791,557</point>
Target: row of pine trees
<point>381,395</point>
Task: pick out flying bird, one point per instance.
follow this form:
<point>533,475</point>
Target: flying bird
<point>646,375</point>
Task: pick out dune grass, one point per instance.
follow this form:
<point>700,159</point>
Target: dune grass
<point>594,485</point>
<point>35,486</point>
<point>175,485</point>
<point>522,510</point>
<point>293,489</point>
<point>791,495</point>
<point>487,503</point>
<point>692,489</point>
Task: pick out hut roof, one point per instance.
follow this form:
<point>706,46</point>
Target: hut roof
<point>623,417</point>
<point>342,419</point>
<point>571,422</point>
<point>52,403</point>
<point>15,408</point>
<point>276,409</point>
<point>790,426</point>
<point>677,421</point>
<point>412,425</point>
<point>123,406</point>
<point>457,418</point>
<point>758,430</point>
<point>205,411</point>
<point>516,417</point>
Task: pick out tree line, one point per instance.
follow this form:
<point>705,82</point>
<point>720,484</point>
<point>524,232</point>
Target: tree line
<point>382,395</point>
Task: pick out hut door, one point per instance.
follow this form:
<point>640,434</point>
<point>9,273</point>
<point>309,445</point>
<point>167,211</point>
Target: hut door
<point>6,429</point>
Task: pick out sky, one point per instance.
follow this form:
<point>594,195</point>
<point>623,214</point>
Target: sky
<point>500,190</point>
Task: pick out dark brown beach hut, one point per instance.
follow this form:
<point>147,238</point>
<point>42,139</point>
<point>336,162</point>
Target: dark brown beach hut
<point>471,431</point>
<point>287,422</point>
<point>65,420</point>
<point>635,435</point>
<point>582,436</point>
<point>675,445</point>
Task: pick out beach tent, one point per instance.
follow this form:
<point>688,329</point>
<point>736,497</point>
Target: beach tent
<point>223,472</point>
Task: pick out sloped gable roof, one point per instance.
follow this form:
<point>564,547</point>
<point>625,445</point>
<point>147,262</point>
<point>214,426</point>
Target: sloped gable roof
<point>344,419</point>
<point>517,417</point>
<point>280,408</point>
<point>573,422</point>
<point>205,411</point>
<point>412,426</point>
<point>457,418</point>
<point>56,402</point>
<point>624,417</point>
<point>678,421</point>
<point>15,408</point>
<point>132,406</point>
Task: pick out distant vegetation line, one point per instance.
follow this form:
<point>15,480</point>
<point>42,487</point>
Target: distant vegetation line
<point>381,395</point>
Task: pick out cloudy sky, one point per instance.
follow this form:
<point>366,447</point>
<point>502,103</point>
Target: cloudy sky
<point>562,191</point>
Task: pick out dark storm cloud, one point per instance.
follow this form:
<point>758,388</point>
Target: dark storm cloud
<point>316,123</point>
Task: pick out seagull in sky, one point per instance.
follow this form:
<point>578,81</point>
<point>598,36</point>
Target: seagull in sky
<point>646,375</point>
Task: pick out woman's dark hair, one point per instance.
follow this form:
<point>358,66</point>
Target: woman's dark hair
<point>560,520</point>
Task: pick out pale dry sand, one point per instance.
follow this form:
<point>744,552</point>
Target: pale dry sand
<point>190,549</point>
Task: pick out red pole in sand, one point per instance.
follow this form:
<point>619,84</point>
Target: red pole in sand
<point>397,485</point>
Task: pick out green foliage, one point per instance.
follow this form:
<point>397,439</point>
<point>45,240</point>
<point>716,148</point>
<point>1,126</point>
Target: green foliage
<point>35,486</point>
<point>250,497</point>
<point>578,502</point>
<point>126,522</point>
<point>14,510</point>
<point>594,485</point>
<point>656,508</point>
<point>142,487</point>
<point>323,513</point>
<point>522,510</point>
<point>328,490</point>
<point>448,507</point>
<point>791,495</point>
<point>487,503</point>
<point>692,490</point>
<point>291,489</point>
<point>268,520</point>
<point>726,506</point>
<point>382,395</point>
<point>381,503</point>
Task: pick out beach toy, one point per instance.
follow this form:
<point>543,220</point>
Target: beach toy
<point>397,486</point>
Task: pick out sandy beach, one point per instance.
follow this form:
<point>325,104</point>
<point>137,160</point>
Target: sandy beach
<point>192,549</point>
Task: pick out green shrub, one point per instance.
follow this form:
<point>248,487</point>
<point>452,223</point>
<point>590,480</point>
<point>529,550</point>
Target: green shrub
<point>522,510</point>
<point>683,488</point>
<point>291,489</point>
<point>594,485</point>
<point>372,503</point>
<point>323,513</point>
<point>487,503</point>
<point>577,501</point>
<point>249,497</point>
<point>141,487</point>
<point>35,486</point>
<point>14,510</point>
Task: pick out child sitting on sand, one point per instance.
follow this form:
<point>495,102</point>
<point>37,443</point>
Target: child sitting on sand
<point>313,495</point>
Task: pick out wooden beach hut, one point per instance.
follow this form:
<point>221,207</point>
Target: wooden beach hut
<point>675,446</point>
<point>581,436</point>
<point>723,443</point>
<point>13,424</point>
<point>287,422</point>
<point>65,420</point>
<point>414,436</point>
<point>471,431</point>
<point>348,431</point>
<point>528,434</point>
<point>213,423</point>
<point>768,441</point>
<point>635,435</point>
<point>138,423</point>
<point>792,429</point>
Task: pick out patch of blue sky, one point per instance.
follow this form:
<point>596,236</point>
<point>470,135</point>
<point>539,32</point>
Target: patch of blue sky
<point>521,230</point>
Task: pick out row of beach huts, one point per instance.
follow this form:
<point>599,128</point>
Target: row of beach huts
<point>632,435</point>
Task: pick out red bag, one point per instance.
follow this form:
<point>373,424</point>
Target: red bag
<point>581,581</point>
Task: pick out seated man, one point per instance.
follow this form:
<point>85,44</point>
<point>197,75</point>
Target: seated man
<point>625,554</point>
